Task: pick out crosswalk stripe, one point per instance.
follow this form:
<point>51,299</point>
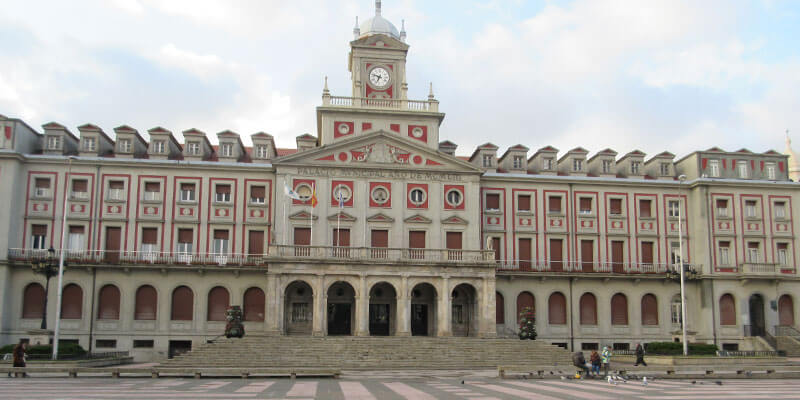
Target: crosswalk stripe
<point>589,395</point>
<point>408,392</point>
<point>605,387</point>
<point>257,387</point>
<point>355,391</point>
<point>516,392</point>
<point>722,397</point>
<point>303,389</point>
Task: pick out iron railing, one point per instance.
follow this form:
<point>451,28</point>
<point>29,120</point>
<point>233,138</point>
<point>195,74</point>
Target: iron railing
<point>71,357</point>
<point>580,266</point>
<point>139,257</point>
<point>750,353</point>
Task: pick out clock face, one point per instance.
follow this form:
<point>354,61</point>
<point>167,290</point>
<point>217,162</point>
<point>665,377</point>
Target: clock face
<point>379,77</point>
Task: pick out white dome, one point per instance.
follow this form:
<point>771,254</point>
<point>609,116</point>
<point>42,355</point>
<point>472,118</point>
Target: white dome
<point>378,24</point>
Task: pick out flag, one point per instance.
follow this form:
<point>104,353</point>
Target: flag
<point>290,193</point>
<point>313,196</point>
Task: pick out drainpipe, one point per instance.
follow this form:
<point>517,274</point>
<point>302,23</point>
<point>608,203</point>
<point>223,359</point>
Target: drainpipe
<point>95,226</point>
<point>710,267</point>
<point>571,325</point>
<point>91,315</point>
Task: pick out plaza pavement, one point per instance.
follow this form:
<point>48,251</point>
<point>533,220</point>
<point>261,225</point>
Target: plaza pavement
<point>386,385</point>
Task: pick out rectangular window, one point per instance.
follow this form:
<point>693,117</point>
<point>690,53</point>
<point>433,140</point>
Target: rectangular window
<point>722,208</point>
<point>577,165</point>
<point>105,343</point>
<point>255,243</point>
<point>41,187</point>
<point>487,160</point>
<point>554,204</point>
<point>675,312</point>
<point>635,167</point>
<point>80,189</point>
<point>220,244</point>
<point>742,167</point>
<point>222,193</point>
<point>673,208</point>
<point>39,236</point>
<point>89,144</point>
<point>724,253</point>
<point>585,205</point>
<point>262,151</point>
<point>193,148</point>
<point>187,192</point>
<point>492,201</point>
<point>645,207</point>
<point>647,253</point>
<point>185,239</point>
<point>783,254</point>
<point>713,168</point>
<point>752,252</point>
<point>152,191</point>
<point>227,149</point>
<point>547,164</point>
<point>771,171</point>
<point>302,236</point>
<point>379,242</point>
<point>608,166</point>
<point>143,344</point>
<point>615,206</point>
<point>416,242</point>
<point>54,142</point>
<point>665,169</point>
<point>519,162</point>
<point>454,243</point>
<point>780,210</point>
<point>750,210</point>
<point>124,145</point>
<point>116,190</point>
<point>258,194</point>
<point>75,240</point>
<point>675,253</point>
<point>149,243</point>
<point>524,202</point>
<point>159,147</point>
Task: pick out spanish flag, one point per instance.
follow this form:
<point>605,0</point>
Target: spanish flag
<point>313,196</point>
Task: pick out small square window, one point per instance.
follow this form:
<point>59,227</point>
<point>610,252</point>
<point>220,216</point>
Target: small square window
<point>143,344</point>
<point>105,343</point>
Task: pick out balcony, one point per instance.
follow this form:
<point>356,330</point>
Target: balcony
<point>382,104</point>
<point>582,267</point>
<point>383,254</point>
<point>764,269</point>
<point>103,257</point>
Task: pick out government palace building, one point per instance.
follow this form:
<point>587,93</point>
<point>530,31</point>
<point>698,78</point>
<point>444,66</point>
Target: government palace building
<point>376,227</point>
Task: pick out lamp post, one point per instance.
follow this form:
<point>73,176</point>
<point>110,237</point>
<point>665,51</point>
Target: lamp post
<point>47,267</point>
<point>682,267</point>
<point>61,258</point>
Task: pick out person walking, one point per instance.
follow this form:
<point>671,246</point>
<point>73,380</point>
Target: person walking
<point>605,358</point>
<point>19,356</point>
<point>595,359</point>
<point>639,355</point>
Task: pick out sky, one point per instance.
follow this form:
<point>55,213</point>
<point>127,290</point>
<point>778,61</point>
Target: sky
<point>651,75</point>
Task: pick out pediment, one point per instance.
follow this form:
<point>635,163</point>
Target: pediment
<point>341,216</point>
<point>381,149</point>
<point>302,216</point>
<point>455,220</point>
<point>418,219</point>
<point>380,217</point>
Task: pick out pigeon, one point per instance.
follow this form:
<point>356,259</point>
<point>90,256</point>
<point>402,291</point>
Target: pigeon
<point>644,381</point>
<point>694,382</point>
<point>462,382</point>
<point>563,378</point>
<point>718,383</point>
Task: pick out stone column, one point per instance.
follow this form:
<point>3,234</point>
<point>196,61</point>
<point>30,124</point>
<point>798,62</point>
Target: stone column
<point>487,309</point>
<point>443,323</point>
<point>362,308</point>
<point>403,317</point>
<point>273,313</point>
<point>319,307</point>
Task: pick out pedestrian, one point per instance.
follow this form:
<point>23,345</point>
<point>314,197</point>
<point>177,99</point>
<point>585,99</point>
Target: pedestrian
<point>639,355</point>
<point>579,361</point>
<point>605,357</point>
<point>19,355</point>
<point>595,359</point>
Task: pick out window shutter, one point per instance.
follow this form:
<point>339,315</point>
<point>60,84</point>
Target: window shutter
<point>256,242</point>
<point>254,301</point>
<point>152,187</point>
<point>380,238</point>
<point>782,246</point>
<point>33,301</point>
<point>557,307</point>
<point>727,310</point>
<point>182,304</point>
<point>724,244</point>
<point>39,230</point>
<point>43,183</point>
<point>302,236</point>
<point>116,184</point>
<point>453,240</point>
<point>525,299</point>
<point>722,203</point>
<point>187,187</point>
<point>80,185</point>
<point>492,201</point>
<point>220,234</point>
<point>752,245</point>
<point>71,302</point>
<point>586,204</point>
<point>76,229</point>
<point>644,208</point>
<point>416,239</point>
<point>223,189</point>
<point>615,206</point>
<point>258,192</point>
<point>619,309</point>
<point>647,252</point>
<point>146,303</point>
<point>149,235</point>
<point>185,236</point>
<point>524,203</point>
<point>108,304</point>
<point>588,306</point>
<point>218,303</point>
<point>649,310</point>
<point>554,204</point>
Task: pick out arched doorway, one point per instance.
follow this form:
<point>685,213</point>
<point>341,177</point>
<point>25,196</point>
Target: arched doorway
<point>463,307</point>
<point>757,324</point>
<point>298,308</point>
<point>423,310</point>
<point>382,309</point>
<point>341,304</point>
<point>525,300</point>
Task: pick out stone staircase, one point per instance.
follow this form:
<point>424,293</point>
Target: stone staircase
<point>371,353</point>
<point>788,344</point>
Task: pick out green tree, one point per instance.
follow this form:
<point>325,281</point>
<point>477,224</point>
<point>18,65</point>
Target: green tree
<point>527,324</point>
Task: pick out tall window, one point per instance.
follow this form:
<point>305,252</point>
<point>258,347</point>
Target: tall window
<point>218,302</point>
<point>753,253</point>
<point>182,304</point>
<point>159,147</point>
<point>608,166</point>
<point>547,164</point>
<point>780,210</point>
<point>771,171</point>
<point>149,243</point>
<point>108,303</point>
<point>635,167</point>
<point>674,208</point>
<point>619,309</point>
<point>588,307</point>
<point>577,165</point>
<point>742,168</point>
<point>76,239</point>
<point>220,244</point>
<point>146,303</point>
<point>783,254</point>
<point>33,301</point>
<point>722,208</point>
<point>254,301</point>
<point>53,142</point>
<point>185,241</point>
<point>39,237</point>
<point>727,310</point>
<point>222,193</point>
<point>645,207</point>
<point>519,162</point>
<point>557,309</point>
<point>725,253</point>
<point>713,168</point>
<point>665,169</point>
<point>675,310</point>
<point>649,310</point>
<point>72,302</point>
<point>187,192</point>
<point>750,210</point>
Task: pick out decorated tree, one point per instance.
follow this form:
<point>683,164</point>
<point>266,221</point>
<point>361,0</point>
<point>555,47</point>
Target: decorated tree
<point>527,324</point>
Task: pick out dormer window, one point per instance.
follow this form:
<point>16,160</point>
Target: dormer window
<point>742,168</point>
<point>53,142</point>
<point>547,164</point>
<point>713,168</point>
<point>607,166</point>
<point>124,145</point>
<point>487,160</point>
<point>193,148</point>
<point>262,151</point>
<point>89,144</point>
<point>771,171</point>
<point>665,170</point>
<point>518,162</point>
<point>227,149</point>
<point>635,167</point>
<point>159,146</point>
<point>577,165</point>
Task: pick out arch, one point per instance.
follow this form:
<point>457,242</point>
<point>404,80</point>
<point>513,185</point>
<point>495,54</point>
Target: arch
<point>463,308</point>
<point>253,302</point>
<point>72,302</point>
<point>146,306</point>
<point>525,299</point>
<point>786,310</point>
<point>423,309</point>
<point>33,301</point>
<point>619,309</point>
<point>588,307</point>
<point>649,309</point>
<point>108,302</point>
<point>182,304</point>
<point>218,302</point>
<point>557,309</point>
<point>341,308</point>
<point>727,310</point>
<point>500,308</point>
<point>382,309</point>
<point>298,308</point>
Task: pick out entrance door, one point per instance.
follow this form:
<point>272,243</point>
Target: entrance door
<point>419,320</point>
<point>338,319</point>
<point>757,324</point>
<point>616,256</point>
<point>112,244</point>
<point>379,319</point>
<point>556,256</point>
<point>178,347</point>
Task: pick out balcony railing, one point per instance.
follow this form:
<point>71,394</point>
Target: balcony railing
<point>580,266</point>
<point>753,268</point>
<point>140,257</point>
<point>390,104</point>
<point>383,253</point>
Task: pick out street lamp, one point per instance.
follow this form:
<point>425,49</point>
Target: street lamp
<point>61,258</point>
<point>682,178</point>
<point>46,266</point>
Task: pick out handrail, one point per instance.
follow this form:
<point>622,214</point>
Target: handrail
<point>786,330</point>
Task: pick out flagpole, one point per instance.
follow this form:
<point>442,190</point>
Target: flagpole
<point>285,221</point>
<point>311,214</point>
<point>338,220</point>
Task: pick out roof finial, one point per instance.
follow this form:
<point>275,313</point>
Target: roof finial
<point>378,7</point>
<point>430,94</point>
<point>325,89</point>
<point>402,30</point>
<point>356,30</point>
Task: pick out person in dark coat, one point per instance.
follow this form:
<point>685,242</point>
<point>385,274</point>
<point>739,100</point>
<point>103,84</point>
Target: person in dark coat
<point>19,355</point>
<point>639,355</point>
<point>579,361</point>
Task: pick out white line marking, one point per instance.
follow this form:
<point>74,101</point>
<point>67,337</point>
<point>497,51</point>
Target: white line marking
<point>257,387</point>
<point>355,391</point>
<point>303,389</point>
<point>408,392</point>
